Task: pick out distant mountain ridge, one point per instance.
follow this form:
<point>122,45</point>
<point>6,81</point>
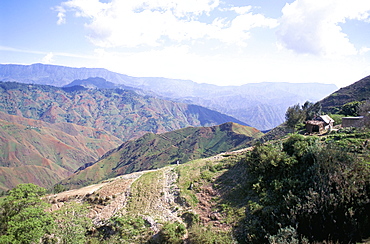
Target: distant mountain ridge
<point>123,113</point>
<point>153,151</point>
<point>261,105</point>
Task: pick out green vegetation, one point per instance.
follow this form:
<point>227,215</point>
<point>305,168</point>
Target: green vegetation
<point>351,108</point>
<point>316,188</point>
<point>124,229</point>
<point>208,235</point>
<point>72,223</point>
<point>153,151</point>
<point>358,91</point>
<point>297,190</point>
<point>298,114</point>
<point>145,191</point>
<point>22,216</point>
<point>172,233</point>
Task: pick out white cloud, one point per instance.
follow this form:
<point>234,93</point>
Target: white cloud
<point>241,10</point>
<point>364,50</point>
<point>61,15</point>
<point>134,23</point>
<point>231,68</point>
<point>312,26</point>
<point>48,58</point>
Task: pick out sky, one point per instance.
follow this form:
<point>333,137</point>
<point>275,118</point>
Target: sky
<point>230,42</point>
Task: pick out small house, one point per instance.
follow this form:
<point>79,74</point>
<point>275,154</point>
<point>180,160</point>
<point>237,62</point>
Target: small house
<point>353,121</point>
<point>314,126</point>
<point>319,123</point>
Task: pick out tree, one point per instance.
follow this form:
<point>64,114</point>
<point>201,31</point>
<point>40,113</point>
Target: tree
<point>351,108</point>
<point>293,116</point>
<point>311,110</point>
<point>23,218</point>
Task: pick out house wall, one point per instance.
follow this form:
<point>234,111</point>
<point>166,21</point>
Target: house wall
<point>352,122</point>
<point>314,128</point>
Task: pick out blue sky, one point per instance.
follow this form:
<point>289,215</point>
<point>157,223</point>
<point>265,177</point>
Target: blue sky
<point>207,41</point>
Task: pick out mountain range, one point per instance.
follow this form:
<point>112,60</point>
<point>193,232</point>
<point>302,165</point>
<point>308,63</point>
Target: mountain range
<point>47,133</point>
<point>199,176</point>
<point>123,113</point>
<point>260,105</point>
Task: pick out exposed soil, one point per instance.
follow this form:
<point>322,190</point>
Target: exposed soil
<point>110,196</point>
<point>206,210</point>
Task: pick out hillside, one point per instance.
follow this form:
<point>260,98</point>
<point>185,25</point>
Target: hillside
<point>300,190</point>
<point>270,100</point>
<point>153,151</point>
<point>358,91</point>
<point>47,133</point>
<point>43,153</point>
<point>122,113</point>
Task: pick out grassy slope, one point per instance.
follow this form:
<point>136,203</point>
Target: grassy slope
<point>207,195</point>
<point>358,91</point>
<point>153,151</point>
<point>164,195</point>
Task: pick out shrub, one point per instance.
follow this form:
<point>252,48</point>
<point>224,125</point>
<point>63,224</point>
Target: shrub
<point>172,233</point>
<point>320,188</point>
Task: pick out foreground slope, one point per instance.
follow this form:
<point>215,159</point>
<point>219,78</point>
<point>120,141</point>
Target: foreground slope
<point>153,151</point>
<point>303,189</point>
